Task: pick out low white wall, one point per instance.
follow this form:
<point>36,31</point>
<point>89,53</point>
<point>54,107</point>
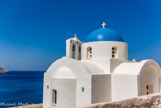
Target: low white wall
<point>101,88</point>
<point>83,97</point>
<point>46,92</point>
<point>124,86</point>
<point>66,92</point>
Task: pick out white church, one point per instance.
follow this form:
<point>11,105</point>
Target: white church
<point>96,71</point>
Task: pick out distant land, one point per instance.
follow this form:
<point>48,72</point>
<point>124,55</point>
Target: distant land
<point>2,70</point>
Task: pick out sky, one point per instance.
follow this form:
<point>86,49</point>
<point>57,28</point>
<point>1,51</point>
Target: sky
<point>33,32</point>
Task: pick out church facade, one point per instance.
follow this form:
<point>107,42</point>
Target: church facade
<point>96,71</point>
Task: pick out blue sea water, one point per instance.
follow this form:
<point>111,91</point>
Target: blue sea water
<point>19,88</point>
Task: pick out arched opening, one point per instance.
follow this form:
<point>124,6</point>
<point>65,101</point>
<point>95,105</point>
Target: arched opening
<point>89,52</point>
<point>54,97</point>
<point>114,50</point>
<point>149,88</point>
<point>73,50</point>
<point>79,51</point>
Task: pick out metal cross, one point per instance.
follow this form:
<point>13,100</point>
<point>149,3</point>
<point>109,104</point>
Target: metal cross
<point>104,24</point>
<point>75,35</point>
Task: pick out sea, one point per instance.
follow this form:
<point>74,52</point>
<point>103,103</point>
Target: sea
<point>19,88</point>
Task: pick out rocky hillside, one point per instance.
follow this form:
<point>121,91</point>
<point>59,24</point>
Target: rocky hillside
<point>150,101</point>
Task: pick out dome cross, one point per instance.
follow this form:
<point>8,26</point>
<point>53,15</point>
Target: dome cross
<point>75,35</point>
<point>103,24</point>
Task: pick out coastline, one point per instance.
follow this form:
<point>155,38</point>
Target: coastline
<point>30,106</point>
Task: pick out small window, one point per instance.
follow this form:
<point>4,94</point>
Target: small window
<point>83,89</point>
<point>149,89</point>
<point>47,87</point>
<point>54,97</point>
<point>89,52</point>
<point>114,50</point>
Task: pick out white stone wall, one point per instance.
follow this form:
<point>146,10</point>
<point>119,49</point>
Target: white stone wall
<point>114,63</point>
<point>68,48</point>
<point>149,75</point>
<point>124,86</point>
<point>66,92</point>
<point>103,49</point>
<point>46,92</point>
<point>56,70</point>
<point>83,97</point>
<point>101,88</point>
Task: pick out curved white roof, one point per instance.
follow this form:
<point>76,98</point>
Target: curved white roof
<point>73,68</point>
<point>92,68</point>
<point>67,67</point>
<point>134,68</point>
<point>64,72</point>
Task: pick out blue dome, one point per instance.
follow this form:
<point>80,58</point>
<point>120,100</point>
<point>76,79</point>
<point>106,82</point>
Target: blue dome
<point>104,34</point>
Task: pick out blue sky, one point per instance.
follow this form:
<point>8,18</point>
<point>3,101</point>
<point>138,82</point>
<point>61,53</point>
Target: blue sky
<point>33,32</point>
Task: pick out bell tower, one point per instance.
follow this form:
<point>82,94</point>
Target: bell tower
<point>73,48</point>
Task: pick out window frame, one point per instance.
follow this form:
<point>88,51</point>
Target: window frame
<point>149,89</point>
<point>89,52</point>
<point>114,52</point>
<point>54,97</point>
